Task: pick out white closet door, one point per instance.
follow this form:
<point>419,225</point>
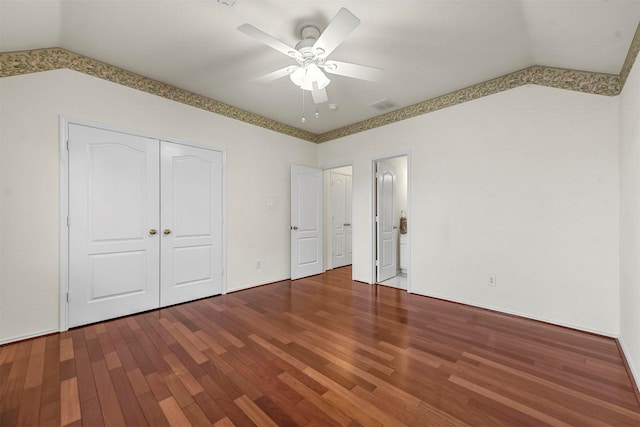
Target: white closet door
<point>191,235</point>
<point>113,214</point>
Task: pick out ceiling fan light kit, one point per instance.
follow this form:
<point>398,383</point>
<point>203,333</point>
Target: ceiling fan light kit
<point>311,55</point>
<point>308,76</point>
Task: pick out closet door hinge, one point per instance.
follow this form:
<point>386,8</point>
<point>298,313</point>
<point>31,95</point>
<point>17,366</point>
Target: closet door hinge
<point>68,221</point>
<point>222,272</point>
<point>67,296</point>
<point>377,263</point>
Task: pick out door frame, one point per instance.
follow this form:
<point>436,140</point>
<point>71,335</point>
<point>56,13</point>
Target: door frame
<point>373,234</point>
<point>63,276</point>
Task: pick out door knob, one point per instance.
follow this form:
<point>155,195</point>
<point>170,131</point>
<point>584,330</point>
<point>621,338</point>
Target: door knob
<point>294,227</point>
<point>153,231</point>
<point>167,231</point>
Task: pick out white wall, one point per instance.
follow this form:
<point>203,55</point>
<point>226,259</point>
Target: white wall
<point>523,185</point>
<point>630,220</point>
<point>257,168</point>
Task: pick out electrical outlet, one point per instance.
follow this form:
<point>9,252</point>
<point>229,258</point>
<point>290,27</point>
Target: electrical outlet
<point>492,280</point>
<point>258,264</point>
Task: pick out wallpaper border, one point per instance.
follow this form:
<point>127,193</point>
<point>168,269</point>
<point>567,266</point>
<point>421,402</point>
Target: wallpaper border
<point>632,54</point>
<point>582,81</point>
<point>32,61</point>
<point>38,60</point>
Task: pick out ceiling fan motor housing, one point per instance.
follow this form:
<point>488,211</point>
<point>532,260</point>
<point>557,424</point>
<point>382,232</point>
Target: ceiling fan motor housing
<point>309,35</point>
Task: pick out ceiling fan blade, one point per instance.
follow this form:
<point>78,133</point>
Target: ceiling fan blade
<point>278,74</point>
<point>319,95</point>
<point>356,71</point>
<point>265,38</point>
<point>339,28</point>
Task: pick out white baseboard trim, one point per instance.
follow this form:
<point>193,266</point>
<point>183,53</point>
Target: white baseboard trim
<point>524,315</point>
<point>28,336</point>
<point>632,367</point>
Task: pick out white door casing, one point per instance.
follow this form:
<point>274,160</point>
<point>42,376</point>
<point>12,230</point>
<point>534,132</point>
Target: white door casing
<point>191,229</point>
<point>306,222</point>
<point>113,208</point>
<point>385,221</point>
<point>341,219</point>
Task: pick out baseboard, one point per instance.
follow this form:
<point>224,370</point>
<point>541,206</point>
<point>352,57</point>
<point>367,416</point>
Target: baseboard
<point>28,336</point>
<point>634,375</point>
<point>523,315</point>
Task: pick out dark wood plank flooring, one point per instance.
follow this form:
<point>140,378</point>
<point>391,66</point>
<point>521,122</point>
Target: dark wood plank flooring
<point>320,351</point>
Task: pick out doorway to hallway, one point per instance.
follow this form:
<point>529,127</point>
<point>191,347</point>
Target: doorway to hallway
<point>338,217</point>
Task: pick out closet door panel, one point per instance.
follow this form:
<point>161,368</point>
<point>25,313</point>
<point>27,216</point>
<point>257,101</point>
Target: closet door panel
<point>113,206</point>
<point>191,212</point>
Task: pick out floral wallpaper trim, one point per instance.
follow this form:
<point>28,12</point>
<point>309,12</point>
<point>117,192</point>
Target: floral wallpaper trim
<point>23,62</point>
<point>632,54</point>
<point>582,81</point>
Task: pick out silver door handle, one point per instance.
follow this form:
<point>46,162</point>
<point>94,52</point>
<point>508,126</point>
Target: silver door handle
<point>395,227</point>
<point>347,224</point>
<point>294,227</point>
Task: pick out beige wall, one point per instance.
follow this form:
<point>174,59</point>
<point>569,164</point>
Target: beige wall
<point>523,185</point>
<point>257,168</point>
<point>630,220</point>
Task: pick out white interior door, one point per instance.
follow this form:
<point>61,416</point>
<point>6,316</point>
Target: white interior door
<point>191,214</point>
<point>338,220</point>
<point>387,244</point>
<point>348,220</point>
<point>113,222</point>
<point>341,219</point>
<point>306,221</point>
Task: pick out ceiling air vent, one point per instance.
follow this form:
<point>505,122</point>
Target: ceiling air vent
<point>384,105</point>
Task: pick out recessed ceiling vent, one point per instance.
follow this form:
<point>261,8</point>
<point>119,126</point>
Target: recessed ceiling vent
<point>384,105</point>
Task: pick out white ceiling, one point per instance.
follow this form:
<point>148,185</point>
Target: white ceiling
<point>426,48</point>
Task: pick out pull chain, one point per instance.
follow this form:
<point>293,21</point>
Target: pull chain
<point>303,117</point>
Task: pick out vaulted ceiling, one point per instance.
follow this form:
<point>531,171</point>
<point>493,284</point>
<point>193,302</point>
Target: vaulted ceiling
<point>427,48</point>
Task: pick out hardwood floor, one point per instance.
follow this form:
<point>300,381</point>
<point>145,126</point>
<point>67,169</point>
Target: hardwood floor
<point>320,351</point>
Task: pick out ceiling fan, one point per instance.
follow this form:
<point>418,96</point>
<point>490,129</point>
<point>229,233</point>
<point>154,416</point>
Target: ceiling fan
<point>311,55</point>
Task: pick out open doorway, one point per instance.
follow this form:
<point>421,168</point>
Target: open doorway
<point>338,218</point>
<point>390,222</point>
